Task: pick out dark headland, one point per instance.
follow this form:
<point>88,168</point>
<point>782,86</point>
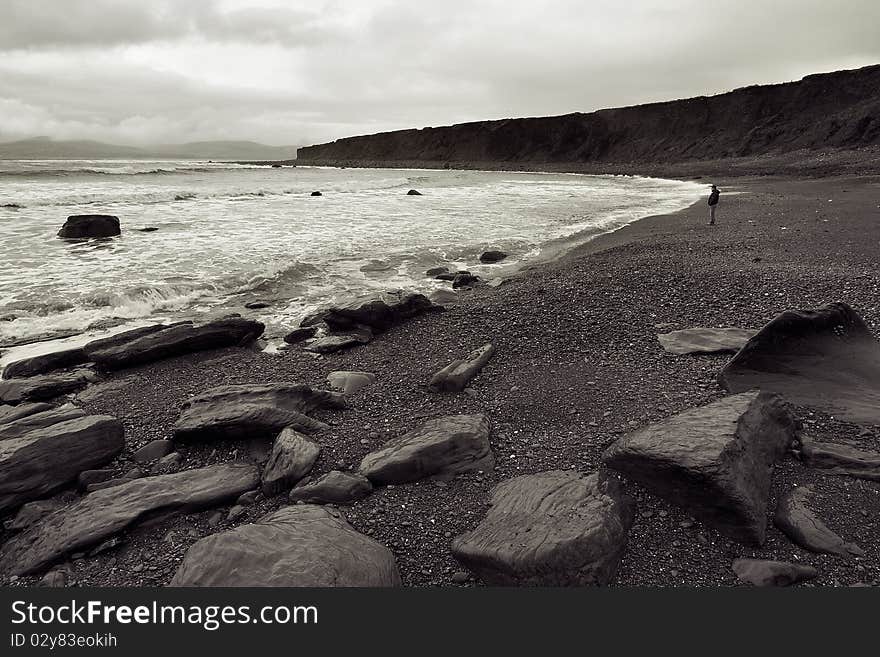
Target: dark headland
<point>578,378</point>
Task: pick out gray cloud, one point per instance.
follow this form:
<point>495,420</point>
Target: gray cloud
<point>288,72</point>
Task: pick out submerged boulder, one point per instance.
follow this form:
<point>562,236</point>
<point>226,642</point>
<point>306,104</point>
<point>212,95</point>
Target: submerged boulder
<point>297,546</point>
<point>87,226</point>
<point>715,460</point>
<point>557,528</point>
<point>825,359</point>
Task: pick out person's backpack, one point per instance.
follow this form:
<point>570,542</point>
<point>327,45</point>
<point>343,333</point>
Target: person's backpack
<point>713,197</point>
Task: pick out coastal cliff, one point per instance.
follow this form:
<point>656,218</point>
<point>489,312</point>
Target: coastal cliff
<point>832,111</point>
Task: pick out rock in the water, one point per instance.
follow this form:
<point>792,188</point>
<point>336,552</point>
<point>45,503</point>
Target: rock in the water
<point>253,411</point>
<point>153,450</point>
<point>316,193</point>
<point>444,446</point>
<point>433,272</point>
<point>557,528</point>
<point>335,487</point>
<point>799,522</point>
<point>489,257</point>
<point>257,305</point>
<point>297,546</point>
<point>300,334</point>
<point>825,359</point>
<point>337,342</point>
<point>413,192</point>
<point>350,382</point>
<point>12,413</point>
<point>29,423</point>
<point>760,572</point>
<point>377,312</point>
<point>292,457</point>
<point>86,226</point>
<point>177,340</point>
<point>705,340</point>
<point>106,512</point>
<point>148,229</point>
<point>839,459</point>
<point>43,387</point>
<point>463,279</point>
<point>715,461</point>
<point>455,376</point>
<point>44,363</point>
<point>45,460</point>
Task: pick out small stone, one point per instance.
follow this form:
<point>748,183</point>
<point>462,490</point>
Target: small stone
<point>235,513</point>
<point>460,577</point>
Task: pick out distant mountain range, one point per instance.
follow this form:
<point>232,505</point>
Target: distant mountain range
<point>44,148</point>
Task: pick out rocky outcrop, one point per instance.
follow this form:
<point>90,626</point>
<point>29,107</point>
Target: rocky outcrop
<point>291,459</point>
<point>443,447</point>
<point>760,572</point>
<point>124,337</point>
<point>12,413</point>
<point>253,411</point>
<point>799,522</point>
<point>41,420</point>
<point>335,487</point>
<point>57,360</point>
<point>87,226</point>
<point>104,513</point>
<point>175,341</point>
<point>557,528</point>
<point>491,257</point>
<point>350,382</point>
<point>46,459</point>
<point>705,340</point>
<point>377,312</point>
<point>825,359</point>
<point>455,376</point>
<point>715,461</point>
<point>43,386</point>
<point>297,546</point>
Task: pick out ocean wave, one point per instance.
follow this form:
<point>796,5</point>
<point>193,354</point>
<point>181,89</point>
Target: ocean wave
<point>120,170</point>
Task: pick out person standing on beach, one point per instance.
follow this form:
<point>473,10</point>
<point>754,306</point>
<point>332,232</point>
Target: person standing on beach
<point>713,203</point>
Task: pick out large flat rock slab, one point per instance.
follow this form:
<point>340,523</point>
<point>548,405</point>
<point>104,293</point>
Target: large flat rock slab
<point>704,340</point>
<point>444,446</point>
<point>43,387</point>
<point>253,411</point>
<point>105,512</point>
<point>11,413</point>
<point>797,520</point>
<point>44,460</point>
<point>297,546</point>
<point>174,341</point>
<point>557,528</point>
<point>825,359</point>
<point>715,461</point>
<point>44,363</point>
<point>41,420</point>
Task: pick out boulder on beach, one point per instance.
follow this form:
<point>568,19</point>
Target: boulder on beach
<point>802,525</point>
<point>253,411</point>
<point>297,546</point>
<point>413,192</point>
<point>43,387</point>
<point>19,426</point>
<point>102,514</point>
<point>761,572</point>
<point>44,460</point>
<point>455,376</point>
<point>335,487</point>
<point>557,528</point>
<point>44,363</point>
<point>12,413</point>
<point>350,382</point>
<point>378,312</point>
<point>300,334</point>
<point>330,344</point>
<point>87,226</point>
<point>291,459</point>
<point>702,340</point>
<point>826,359</point>
<point>153,451</point>
<point>715,461</point>
<point>463,279</point>
<point>491,257</point>
<point>174,341</point>
<point>442,447</point>
<point>840,459</point>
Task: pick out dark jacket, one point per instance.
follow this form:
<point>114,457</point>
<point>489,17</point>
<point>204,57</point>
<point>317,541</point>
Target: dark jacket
<point>713,197</point>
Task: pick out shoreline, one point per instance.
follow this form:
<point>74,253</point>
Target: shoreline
<point>577,366</point>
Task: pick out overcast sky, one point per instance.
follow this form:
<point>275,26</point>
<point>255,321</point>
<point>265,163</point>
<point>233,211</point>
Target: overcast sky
<point>294,72</point>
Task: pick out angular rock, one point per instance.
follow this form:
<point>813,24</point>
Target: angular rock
<point>377,312</point>
<point>760,572</point>
<point>798,521</point>
<point>297,546</point>
<point>134,473</point>
<point>32,512</point>
<point>175,341</point>
<point>455,376</point>
<point>464,279</point>
<point>12,413</point>
<point>43,387</point>
<point>557,528</point>
<point>443,447</point>
<point>715,461</point>
<point>253,411</point>
<point>490,257</point>
<point>335,487</point>
<point>300,334</point>
<point>87,226</point>
<point>292,457</point>
<point>88,477</point>
<point>57,360</point>
<point>705,340</point>
<point>838,459</point>
<point>350,382</point>
<point>413,192</point>
<point>124,337</point>
<point>40,420</point>
<point>153,450</point>
<point>106,512</point>
<point>55,579</point>
<point>44,460</point>
<point>825,359</point>
<point>330,344</point>
<point>168,463</point>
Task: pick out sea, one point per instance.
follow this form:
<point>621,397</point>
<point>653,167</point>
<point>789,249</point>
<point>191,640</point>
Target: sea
<point>229,234</point>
